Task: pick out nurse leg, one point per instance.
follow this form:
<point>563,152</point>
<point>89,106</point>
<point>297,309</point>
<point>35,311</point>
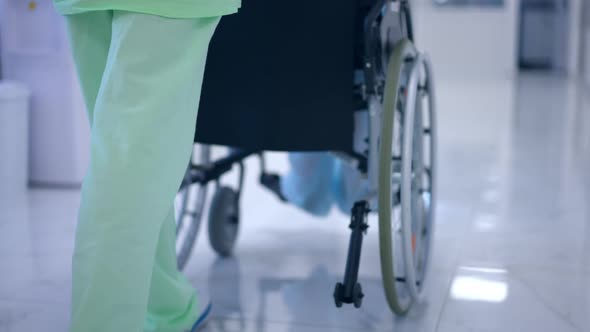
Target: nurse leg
<point>141,142</point>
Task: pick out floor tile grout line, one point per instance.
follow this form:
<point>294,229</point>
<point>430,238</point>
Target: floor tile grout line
<point>464,234</point>
<point>444,305</point>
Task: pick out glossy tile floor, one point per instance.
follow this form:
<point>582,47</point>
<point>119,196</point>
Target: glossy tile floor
<point>512,248</point>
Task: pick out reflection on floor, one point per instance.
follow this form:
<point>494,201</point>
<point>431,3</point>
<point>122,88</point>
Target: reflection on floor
<point>512,249</point>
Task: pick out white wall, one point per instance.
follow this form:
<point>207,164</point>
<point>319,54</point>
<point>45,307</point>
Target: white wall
<point>586,42</point>
<point>468,41</point>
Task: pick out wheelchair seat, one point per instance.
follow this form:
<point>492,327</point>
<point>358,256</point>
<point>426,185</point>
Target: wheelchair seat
<point>279,76</point>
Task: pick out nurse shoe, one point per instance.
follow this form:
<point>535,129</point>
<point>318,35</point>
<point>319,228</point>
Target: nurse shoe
<point>204,314</point>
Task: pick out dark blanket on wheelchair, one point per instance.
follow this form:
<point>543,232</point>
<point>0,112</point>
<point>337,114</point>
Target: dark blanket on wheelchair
<point>279,76</point>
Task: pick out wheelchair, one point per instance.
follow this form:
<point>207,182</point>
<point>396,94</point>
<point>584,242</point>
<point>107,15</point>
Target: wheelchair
<point>337,76</point>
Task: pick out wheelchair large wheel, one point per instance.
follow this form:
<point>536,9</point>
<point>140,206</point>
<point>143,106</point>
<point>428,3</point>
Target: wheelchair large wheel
<point>405,207</point>
<point>189,205</point>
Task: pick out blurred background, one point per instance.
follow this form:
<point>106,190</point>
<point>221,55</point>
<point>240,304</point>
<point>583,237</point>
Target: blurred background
<point>512,244</point>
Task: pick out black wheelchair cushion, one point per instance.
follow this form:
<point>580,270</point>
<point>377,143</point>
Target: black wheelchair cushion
<point>279,76</point>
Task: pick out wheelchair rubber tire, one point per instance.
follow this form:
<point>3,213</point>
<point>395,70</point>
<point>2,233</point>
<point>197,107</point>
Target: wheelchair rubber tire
<point>189,212</point>
<point>224,220</point>
<point>402,51</point>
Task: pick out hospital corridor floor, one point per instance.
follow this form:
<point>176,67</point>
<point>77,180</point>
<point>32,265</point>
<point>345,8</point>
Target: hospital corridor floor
<point>511,252</point>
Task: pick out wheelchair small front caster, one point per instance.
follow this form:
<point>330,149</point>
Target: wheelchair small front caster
<point>224,220</point>
<point>357,295</point>
<point>339,295</point>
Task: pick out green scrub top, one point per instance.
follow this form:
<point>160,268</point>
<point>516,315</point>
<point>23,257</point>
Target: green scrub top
<point>166,8</point>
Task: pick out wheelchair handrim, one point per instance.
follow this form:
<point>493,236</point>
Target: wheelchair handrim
<point>431,210</point>
<point>394,74</point>
<point>416,216</point>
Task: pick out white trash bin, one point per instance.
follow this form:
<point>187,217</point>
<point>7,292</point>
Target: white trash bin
<point>14,140</point>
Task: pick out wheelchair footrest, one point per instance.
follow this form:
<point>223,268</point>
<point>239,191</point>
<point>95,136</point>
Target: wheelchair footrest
<point>272,182</point>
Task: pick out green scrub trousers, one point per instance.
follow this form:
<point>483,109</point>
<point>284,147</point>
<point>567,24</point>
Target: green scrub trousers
<point>141,77</point>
